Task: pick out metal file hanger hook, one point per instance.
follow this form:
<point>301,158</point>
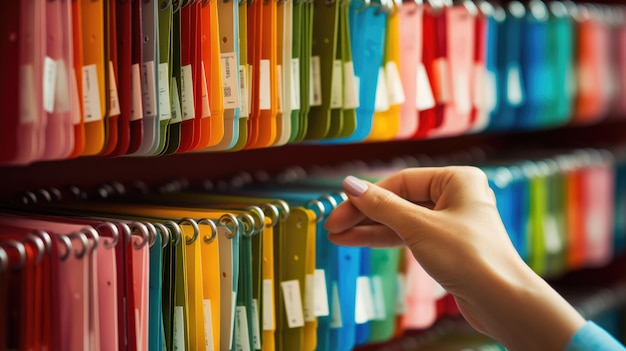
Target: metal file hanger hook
<point>211,224</point>
<point>39,243</point>
<point>68,247</point>
<point>259,218</point>
<point>284,207</point>
<point>19,247</point>
<point>143,230</point>
<point>317,204</point>
<point>196,230</point>
<point>176,233</point>
<point>165,234</point>
<point>4,260</point>
<point>89,231</point>
<point>272,212</point>
<point>250,225</point>
<point>230,222</point>
<point>83,239</point>
<point>114,232</point>
<point>152,231</point>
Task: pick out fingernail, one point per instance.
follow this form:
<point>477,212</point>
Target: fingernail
<point>354,186</point>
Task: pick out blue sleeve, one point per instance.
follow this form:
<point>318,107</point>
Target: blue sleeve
<point>592,337</point>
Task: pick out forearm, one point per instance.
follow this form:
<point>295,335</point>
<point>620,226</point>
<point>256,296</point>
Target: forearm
<point>525,313</point>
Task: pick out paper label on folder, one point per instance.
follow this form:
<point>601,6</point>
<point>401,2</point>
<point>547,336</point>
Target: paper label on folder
<point>395,89</point>
<point>265,88</point>
<point>49,84</point>
<point>91,94</point>
<point>114,102</point>
<point>336,98</point>
<point>514,92</point>
<point>268,305</point>
<point>136,112</point>
<point>316,82</point>
<point>242,341</point>
<point>320,304</point>
<point>64,91</point>
<point>148,85</point>
<point>364,301</point>
<point>380,312</point>
<point>336,320</point>
<point>381,103</point>
<point>165,111</point>
<point>229,80</point>
<point>293,303</point>
<point>243,89</point>
<point>208,325</point>
<point>350,87</point>
<point>295,83</point>
<point>256,332</point>
<point>179,328</point>
<point>186,92</point>
<point>177,114</point>
<point>424,98</point>
<point>206,109</point>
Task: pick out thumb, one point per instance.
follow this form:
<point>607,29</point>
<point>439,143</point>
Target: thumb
<point>386,207</point>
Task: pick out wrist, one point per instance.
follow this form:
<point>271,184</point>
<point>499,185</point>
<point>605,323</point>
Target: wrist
<point>525,313</point>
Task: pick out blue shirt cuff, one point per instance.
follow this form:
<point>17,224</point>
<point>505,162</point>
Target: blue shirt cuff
<point>592,337</point>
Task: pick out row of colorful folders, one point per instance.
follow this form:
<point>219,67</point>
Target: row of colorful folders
<point>251,268</point>
<point>148,78</point>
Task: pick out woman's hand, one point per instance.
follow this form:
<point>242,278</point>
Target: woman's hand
<point>448,218</point>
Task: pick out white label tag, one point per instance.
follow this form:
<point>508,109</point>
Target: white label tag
<point>148,81</point>
<point>206,109</point>
<point>364,301</point>
<point>49,83</point>
<point>335,317</point>
<point>27,94</point>
<point>309,298</point>
<point>336,88</point>
<point>265,88</point>
<point>229,80</point>
<point>401,288</point>
<point>279,79</point>
<point>424,98</point>
<point>63,91</point>
<point>186,92</point>
<point>479,92</point>
<point>320,304</point>
<point>165,111</point>
<point>91,94</point>
<point>232,317</point>
<point>179,329</point>
<point>551,235</point>
<point>136,111</point>
<point>268,304</point>
<point>77,112</point>
<point>242,341</point>
<point>379,298</point>
<point>350,87</point>
<point>256,332</point>
<point>381,104</point>
<point>114,102</point>
<point>249,88</point>
<point>394,84</point>
<point>315,91</point>
<point>293,303</point>
<point>461,90</point>
<point>177,114</point>
<point>491,93</point>
<point>243,90</point>
<point>441,88</point>
<point>295,83</point>
<point>208,325</point>
<point>514,92</point>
